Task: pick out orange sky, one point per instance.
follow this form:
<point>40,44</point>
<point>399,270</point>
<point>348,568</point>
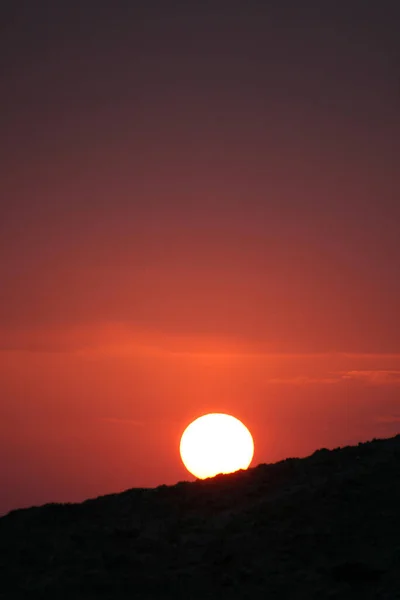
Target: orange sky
<point>200,214</point>
<point>83,420</point>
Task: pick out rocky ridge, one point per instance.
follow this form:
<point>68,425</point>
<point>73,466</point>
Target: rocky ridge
<point>325,526</point>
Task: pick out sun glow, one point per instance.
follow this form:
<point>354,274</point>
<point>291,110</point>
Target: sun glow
<point>216,443</point>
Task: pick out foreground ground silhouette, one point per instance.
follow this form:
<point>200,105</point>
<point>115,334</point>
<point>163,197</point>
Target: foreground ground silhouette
<point>326,526</point>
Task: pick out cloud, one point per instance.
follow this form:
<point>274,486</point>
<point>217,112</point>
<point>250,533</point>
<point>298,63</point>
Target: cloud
<point>364,376</point>
<point>304,380</point>
<point>388,419</point>
<point>125,338</point>
<point>123,421</point>
<point>374,376</point>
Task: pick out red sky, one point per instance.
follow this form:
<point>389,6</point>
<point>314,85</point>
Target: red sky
<point>200,213</point>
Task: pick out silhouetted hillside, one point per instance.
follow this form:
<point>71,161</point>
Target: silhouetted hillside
<point>326,526</point>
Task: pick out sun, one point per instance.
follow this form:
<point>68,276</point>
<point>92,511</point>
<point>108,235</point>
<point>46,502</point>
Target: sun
<point>216,443</point>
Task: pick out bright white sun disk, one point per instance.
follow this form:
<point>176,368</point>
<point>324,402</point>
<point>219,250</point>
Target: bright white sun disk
<point>216,443</point>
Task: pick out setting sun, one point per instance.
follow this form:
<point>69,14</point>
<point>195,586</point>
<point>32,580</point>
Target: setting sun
<point>216,443</point>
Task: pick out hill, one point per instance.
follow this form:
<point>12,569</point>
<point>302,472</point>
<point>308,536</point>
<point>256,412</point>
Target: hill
<point>326,526</point>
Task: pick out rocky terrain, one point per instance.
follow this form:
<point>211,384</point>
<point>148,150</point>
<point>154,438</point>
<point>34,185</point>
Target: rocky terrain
<point>326,526</point>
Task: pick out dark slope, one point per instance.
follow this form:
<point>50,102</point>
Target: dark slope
<point>326,526</point>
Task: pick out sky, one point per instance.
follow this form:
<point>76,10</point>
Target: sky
<point>200,213</point>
